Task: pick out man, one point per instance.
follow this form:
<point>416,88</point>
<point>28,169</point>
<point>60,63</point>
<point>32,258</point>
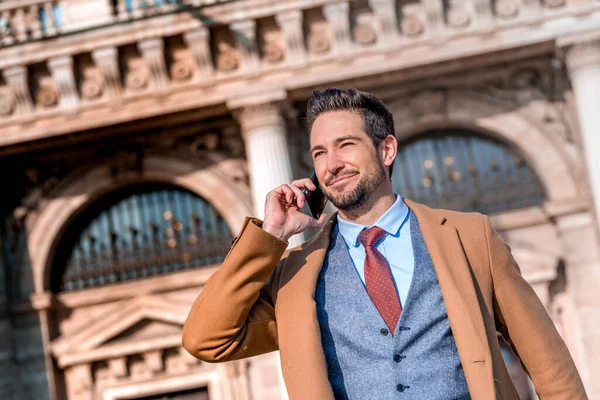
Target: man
<point>391,299</point>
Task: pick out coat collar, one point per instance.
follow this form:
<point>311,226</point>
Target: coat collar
<point>302,356</point>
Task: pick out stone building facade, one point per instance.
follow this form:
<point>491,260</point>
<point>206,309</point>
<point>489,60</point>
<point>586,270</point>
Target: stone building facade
<point>136,135</point>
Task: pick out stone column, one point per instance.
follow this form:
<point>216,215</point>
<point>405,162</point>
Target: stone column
<point>269,165</point>
<point>580,320</point>
<point>583,62</point>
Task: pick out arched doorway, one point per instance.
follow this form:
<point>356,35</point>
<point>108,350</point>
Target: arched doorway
<point>139,231</point>
<point>465,171</point>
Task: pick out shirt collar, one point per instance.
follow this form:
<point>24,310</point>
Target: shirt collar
<point>391,221</point>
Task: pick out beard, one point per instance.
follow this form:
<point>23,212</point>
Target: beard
<point>365,187</point>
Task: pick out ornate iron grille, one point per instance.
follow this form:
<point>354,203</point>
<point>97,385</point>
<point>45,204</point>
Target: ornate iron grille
<point>145,233</point>
<point>457,170</point>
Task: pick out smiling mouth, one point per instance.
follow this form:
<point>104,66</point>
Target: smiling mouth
<point>341,179</point>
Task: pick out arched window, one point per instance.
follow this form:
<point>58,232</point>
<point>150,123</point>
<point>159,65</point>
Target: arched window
<point>138,232</point>
<point>464,171</point>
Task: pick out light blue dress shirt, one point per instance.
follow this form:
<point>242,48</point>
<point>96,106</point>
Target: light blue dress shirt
<point>396,245</point>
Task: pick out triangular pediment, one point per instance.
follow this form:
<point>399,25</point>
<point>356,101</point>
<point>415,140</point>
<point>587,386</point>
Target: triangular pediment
<point>140,318</point>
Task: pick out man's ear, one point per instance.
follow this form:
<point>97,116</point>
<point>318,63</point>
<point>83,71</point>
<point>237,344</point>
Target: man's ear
<point>389,150</point>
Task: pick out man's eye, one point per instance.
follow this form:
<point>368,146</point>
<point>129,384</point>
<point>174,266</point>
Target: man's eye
<point>345,144</point>
<point>317,154</point>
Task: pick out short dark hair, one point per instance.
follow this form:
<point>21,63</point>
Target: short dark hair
<point>377,118</point>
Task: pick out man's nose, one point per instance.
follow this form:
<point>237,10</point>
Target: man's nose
<point>334,163</point>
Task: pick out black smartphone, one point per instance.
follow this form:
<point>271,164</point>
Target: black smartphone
<point>315,199</point>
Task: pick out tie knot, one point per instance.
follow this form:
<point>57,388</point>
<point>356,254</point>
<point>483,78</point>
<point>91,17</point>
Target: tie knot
<point>370,237</point>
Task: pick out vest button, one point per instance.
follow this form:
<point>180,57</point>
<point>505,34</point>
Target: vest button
<point>397,358</point>
<point>400,388</point>
<point>384,331</point>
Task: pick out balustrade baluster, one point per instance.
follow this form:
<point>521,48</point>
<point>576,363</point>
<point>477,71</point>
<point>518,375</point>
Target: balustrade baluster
<point>49,20</point>
<point>137,9</point>
<point>6,29</point>
<point>20,29</point>
<point>122,12</point>
<point>34,21</point>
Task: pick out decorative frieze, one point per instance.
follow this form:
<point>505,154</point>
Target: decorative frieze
<point>244,33</point>
<point>227,55</point>
<point>293,35</point>
<point>271,42</point>
<point>507,8</point>
<point>458,15</point>
<point>318,35</point>
<point>7,103</point>
<point>198,41</point>
<point>338,17</point>
<point>64,78</point>
<point>153,52</point>
<point>16,78</point>
<point>385,10</point>
<point>107,60</point>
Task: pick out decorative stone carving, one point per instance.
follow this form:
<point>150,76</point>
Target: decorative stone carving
<point>458,15</point>
<point>137,75</point>
<point>272,44</point>
<point>92,84</point>
<point>428,103</point>
<point>153,52</point>
<point>47,94</point>
<point>244,33</point>
<point>7,103</point>
<point>507,8</point>
<point>318,37</point>
<point>364,32</point>
<point>290,23</point>
<point>16,78</point>
<point>232,141</point>
<point>182,66</point>
<point>227,56</point>
<point>107,60</point>
<point>64,76</point>
<point>385,11</point>
<point>338,17</point>
<point>411,25</point>
<point>154,361</point>
<point>198,42</point>
<point>554,3</point>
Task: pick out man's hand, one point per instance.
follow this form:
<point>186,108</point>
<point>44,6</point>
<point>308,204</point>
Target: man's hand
<point>282,210</point>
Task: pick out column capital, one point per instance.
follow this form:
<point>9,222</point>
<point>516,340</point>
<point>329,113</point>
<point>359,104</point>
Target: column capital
<point>256,116</point>
<point>583,55</point>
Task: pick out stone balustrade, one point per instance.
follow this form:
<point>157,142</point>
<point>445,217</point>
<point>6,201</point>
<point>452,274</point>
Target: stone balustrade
<point>174,46</point>
<point>22,21</point>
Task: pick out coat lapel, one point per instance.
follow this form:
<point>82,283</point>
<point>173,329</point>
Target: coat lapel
<point>302,357</point>
<point>460,297</point>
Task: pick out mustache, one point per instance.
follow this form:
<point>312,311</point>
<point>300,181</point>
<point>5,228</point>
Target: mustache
<point>340,175</point>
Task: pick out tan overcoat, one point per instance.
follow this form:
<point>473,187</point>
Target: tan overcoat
<point>262,299</point>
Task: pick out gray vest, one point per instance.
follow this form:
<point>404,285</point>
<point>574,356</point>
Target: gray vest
<point>364,361</point>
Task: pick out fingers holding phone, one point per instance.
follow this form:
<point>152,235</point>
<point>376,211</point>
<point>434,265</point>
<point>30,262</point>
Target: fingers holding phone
<point>283,217</point>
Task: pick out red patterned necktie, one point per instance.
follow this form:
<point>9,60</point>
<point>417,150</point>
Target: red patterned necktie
<point>378,278</point>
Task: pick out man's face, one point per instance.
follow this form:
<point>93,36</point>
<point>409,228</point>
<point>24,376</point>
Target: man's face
<point>348,166</point>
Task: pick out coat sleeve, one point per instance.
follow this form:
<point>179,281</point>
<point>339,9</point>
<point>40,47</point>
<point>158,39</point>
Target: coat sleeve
<point>234,316</point>
<point>526,326</point>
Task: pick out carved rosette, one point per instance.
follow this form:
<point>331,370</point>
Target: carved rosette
<point>92,84</point>
<point>411,25</point>
<point>364,32</point>
<point>47,94</point>
<point>137,75</point>
<point>458,15</point>
<point>227,58</point>
<point>182,66</point>
<point>7,103</point>
<point>318,37</point>
<point>507,8</point>
<point>272,44</point>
